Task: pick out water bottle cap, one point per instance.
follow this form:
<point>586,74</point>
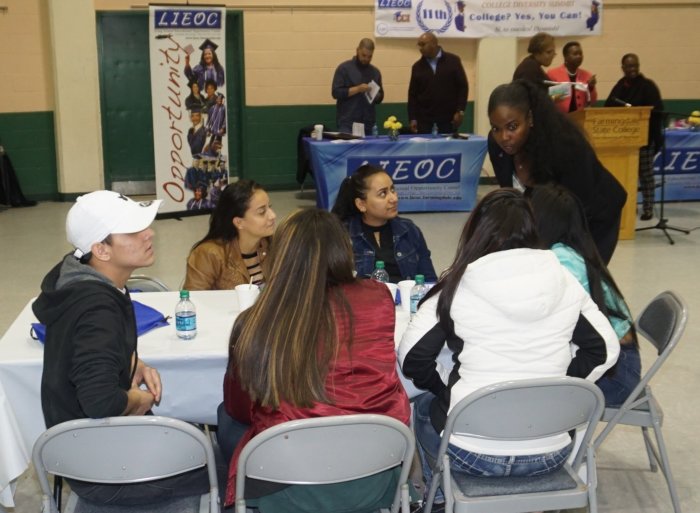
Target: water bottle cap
<point>420,279</point>
<point>184,294</point>
<point>379,264</point>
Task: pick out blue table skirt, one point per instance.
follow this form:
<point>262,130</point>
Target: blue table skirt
<point>682,164</point>
<point>430,174</point>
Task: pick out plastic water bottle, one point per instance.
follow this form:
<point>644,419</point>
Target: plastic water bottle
<point>375,131</point>
<point>417,292</point>
<point>435,130</point>
<point>185,317</point>
<point>380,273</point>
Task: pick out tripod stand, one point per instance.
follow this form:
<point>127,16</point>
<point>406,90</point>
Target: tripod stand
<point>663,222</point>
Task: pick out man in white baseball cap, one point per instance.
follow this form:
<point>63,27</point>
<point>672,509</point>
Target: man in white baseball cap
<point>91,365</point>
<point>101,213</point>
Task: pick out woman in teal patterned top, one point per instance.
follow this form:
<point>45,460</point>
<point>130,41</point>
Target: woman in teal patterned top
<point>562,226</point>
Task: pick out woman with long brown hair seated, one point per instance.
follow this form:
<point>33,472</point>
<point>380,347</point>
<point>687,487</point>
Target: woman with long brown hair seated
<point>326,343</point>
<point>234,249</point>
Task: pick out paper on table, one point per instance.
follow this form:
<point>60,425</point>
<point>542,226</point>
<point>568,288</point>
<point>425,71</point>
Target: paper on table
<point>346,141</point>
<point>358,129</point>
<point>373,90</point>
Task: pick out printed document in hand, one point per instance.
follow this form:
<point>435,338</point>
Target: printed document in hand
<point>562,89</point>
<point>373,91</point>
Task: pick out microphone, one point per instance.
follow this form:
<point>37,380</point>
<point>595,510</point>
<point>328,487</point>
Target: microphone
<point>621,102</point>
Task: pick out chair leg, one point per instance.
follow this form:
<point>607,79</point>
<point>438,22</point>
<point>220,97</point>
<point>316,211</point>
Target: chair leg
<point>603,435</point>
<point>666,468</point>
<point>447,486</point>
<point>437,474</point>
<point>650,449</point>
<point>405,498</point>
<point>57,491</point>
<point>592,500</point>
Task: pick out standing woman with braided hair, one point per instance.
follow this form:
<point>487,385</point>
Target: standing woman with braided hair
<point>532,143</point>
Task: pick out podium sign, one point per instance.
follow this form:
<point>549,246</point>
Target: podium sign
<point>616,134</point>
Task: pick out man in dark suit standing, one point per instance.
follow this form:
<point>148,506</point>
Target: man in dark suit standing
<point>437,93</point>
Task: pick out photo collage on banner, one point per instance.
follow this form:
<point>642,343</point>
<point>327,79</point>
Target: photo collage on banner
<point>487,18</point>
<point>188,88</point>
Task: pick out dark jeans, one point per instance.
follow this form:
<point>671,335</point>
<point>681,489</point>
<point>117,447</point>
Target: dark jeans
<point>228,433</point>
<point>191,483</point>
<point>619,385</point>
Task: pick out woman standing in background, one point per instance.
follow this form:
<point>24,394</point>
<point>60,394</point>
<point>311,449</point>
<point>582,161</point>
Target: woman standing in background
<point>541,53</point>
<point>571,71</point>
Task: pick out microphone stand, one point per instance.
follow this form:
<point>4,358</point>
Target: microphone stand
<point>663,222</point>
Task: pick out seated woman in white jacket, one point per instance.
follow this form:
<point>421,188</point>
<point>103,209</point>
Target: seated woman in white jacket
<point>507,310</point>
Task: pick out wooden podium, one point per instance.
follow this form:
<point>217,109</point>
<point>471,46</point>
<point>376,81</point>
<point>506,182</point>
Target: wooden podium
<point>616,134</point>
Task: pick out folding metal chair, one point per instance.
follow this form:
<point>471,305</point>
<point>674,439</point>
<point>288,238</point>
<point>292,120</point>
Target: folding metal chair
<point>144,283</point>
<point>328,450</point>
<point>662,323</point>
<point>522,410</point>
<point>121,450</point>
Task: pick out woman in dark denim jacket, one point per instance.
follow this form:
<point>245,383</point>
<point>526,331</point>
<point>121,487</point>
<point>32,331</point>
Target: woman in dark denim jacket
<point>367,204</point>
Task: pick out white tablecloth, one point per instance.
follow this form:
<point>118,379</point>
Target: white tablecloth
<point>191,371</point>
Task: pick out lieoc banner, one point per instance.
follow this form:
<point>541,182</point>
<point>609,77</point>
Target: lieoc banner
<point>487,18</point>
<point>188,85</point>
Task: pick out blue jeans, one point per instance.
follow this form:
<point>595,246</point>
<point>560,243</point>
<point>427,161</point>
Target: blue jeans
<point>474,464</point>
<point>627,374</point>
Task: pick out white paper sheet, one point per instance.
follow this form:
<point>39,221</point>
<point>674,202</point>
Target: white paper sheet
<point>358,129</point>
<point>373,91</point>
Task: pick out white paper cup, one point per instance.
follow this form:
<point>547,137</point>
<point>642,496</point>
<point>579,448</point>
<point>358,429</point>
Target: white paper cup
<point>247,294</point>
<point>318,132</point>
<point>393,287</point>
<point>405,287</point>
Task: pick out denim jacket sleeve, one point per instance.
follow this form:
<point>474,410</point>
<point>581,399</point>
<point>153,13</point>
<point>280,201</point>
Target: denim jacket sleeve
<point>362,250</point>
<point>411,251</point>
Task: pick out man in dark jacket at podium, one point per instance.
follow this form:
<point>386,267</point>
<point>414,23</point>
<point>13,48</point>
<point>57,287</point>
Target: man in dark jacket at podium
<point>634,89</point>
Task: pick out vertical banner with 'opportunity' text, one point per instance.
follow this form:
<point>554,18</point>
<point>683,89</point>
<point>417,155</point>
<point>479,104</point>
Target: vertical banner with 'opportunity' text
<point>188,86</point>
